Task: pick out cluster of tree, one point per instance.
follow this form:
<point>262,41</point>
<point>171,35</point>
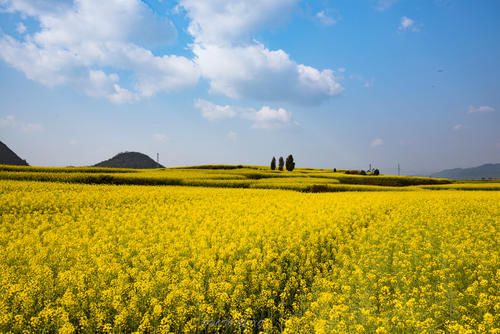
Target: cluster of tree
<point>290,164</point>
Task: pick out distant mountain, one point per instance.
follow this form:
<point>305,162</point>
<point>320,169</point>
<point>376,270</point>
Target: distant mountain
<point>130,160</point>
<point>475,173</point>
<point>8,157</point>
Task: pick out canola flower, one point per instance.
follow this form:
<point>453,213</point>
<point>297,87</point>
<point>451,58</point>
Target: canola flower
<point>119,259</point>
<point>220,176</point>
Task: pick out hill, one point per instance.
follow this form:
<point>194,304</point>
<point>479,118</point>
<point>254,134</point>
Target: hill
<point>8,157</point>
<point>474,173</point>
<point>130,160</point>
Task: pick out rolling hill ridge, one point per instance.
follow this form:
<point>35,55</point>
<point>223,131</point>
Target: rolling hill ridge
<point>475,173</point>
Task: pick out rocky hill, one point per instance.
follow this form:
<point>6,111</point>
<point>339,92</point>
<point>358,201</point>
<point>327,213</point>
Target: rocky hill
<point>130,160</point>
<point>8,157</point>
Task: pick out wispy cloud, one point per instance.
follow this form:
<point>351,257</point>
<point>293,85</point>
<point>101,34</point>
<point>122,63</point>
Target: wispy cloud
<point>367,83</point>
<point>10,121</point>
<point>376,142</point>
<point>458,127</point>
<point>407,24</point>
<point>385,4</point>
<point>327,17</point>
<point>265,117</point>
<point>232,135</point>
<point>160,137</point>
<point>473,109</point>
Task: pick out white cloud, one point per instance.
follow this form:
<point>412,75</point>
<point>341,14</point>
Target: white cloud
<point>21,28</point>
<point>160,137</point>
<point>11,122</point>
<point>225,22</point>
<point>213,111</point>
<point>458,127</point>
<point>254,71</point>
<point>376,142</point>
<point>232,135</point>
<point>407,23</point>
<point>100,84</point>
<point>87,43</point>
<point>65,22</point>
<point>265,117</point>
<point>35,7</point>
<point>102,48</point>
<point>326,18</point>
<point>473,109</point>
<point>385,4</point>
<point>239,67</point>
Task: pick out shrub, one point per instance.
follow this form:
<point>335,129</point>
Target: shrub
<point>376,172</point>
<point>335,170</point>
<point>362,172</point>
<point>353,172</point>
<point>273,164</point>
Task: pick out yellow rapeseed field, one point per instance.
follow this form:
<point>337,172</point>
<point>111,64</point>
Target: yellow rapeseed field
<point>81,258</point>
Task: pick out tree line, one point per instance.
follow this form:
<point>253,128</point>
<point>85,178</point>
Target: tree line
<point>289,164</point>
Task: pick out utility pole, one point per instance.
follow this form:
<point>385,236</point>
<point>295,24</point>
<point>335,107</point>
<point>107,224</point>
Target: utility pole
<point>370,168</point>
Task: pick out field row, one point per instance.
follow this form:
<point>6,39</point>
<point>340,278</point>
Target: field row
<point>307,180</point>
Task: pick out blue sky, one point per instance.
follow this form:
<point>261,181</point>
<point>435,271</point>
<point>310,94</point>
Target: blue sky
<point>337,83</point>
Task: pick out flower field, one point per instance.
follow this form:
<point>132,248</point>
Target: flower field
<point>221,176</point>
<point>82,258</point>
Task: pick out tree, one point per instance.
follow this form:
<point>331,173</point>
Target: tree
<point>273,164</point>
<point>290,165</point>
<point>376,172</point>
<point>281,163</point>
